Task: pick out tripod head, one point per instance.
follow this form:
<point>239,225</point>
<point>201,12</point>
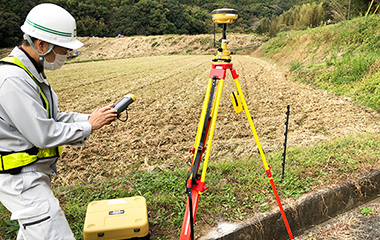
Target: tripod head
<point>224,16</point>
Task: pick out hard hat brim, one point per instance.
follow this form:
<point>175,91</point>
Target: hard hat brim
<point>72,45</point>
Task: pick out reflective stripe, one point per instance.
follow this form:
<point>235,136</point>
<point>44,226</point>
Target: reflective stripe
<point>20,159</point>
<point>13,60</point>
<point>49,152</point>
<point>16,160</point>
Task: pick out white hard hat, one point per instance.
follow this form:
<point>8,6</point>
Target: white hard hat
<point>52,24</point>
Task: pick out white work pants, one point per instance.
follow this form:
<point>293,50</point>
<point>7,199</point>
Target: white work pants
<point>30,199</point>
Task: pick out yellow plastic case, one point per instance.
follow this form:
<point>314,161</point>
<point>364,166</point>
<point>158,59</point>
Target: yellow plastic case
<point>116,219</point>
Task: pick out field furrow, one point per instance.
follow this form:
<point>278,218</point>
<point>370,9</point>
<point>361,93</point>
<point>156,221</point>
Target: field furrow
<point>162,122</point>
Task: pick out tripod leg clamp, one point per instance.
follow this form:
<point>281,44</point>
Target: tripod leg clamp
<point>234,74</point>
<point>197,186</point>
<point>269,173</point>
<point>236,102</point>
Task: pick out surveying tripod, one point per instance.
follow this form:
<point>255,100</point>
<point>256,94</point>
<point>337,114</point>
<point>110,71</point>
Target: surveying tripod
<point>195,184</point>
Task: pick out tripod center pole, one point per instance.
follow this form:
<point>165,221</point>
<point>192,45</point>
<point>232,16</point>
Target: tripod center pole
<point>224,35</point>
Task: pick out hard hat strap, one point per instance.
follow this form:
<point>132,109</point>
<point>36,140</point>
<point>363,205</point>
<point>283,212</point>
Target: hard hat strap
<point>41,55</point>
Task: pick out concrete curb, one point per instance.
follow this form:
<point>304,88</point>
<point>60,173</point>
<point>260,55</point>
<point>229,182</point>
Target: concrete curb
<point>304,213</point>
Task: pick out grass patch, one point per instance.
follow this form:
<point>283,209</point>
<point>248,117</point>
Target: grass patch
<point>88,60</point>
<point>340,58</point>
<point>367,211</point>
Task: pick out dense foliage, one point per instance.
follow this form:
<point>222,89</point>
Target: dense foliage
<point>108,18</point>
<point>315,13</point>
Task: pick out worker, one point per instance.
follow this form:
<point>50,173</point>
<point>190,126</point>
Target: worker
<point>32,129</point>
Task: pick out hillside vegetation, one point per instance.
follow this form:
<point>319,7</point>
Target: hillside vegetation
<point>342,58</point>
<point>110,18</point>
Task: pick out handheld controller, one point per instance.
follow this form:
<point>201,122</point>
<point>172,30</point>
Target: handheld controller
<point>122,105</point>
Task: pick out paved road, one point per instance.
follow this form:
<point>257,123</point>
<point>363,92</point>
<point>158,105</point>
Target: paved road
<point>362,223</point>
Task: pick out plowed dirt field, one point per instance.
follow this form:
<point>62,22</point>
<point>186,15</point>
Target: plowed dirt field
<point>162,122</point>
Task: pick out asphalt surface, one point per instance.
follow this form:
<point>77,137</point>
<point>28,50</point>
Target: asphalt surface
<point>362,223</point>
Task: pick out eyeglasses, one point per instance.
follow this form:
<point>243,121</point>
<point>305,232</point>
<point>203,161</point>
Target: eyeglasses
<point>62,50</point>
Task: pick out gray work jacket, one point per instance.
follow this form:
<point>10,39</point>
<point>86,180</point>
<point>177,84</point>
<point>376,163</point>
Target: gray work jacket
<point>24,122</point>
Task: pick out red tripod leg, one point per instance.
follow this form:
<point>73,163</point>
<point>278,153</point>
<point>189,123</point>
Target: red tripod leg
<point>196,190</point>
<point>200,187</point>
<point>194,186</point>
<point>186,225</point>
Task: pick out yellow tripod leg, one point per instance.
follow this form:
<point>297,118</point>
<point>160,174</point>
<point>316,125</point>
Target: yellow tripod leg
<point>215,109</point>
<point>266,166</point>
<point>202,119</point>
<point>193,184</point>
<point>251,123</point>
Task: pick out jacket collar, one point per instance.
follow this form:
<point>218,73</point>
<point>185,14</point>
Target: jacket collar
<point>24,58</point>
<point>38,67</point>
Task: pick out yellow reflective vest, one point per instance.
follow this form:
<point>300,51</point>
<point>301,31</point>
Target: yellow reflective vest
<point>13,162</point>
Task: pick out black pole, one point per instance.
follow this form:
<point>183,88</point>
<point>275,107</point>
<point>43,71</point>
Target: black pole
<point>214,35</point>
<point>349,9</point>
<point>224,31</point>
<point>286,140</point>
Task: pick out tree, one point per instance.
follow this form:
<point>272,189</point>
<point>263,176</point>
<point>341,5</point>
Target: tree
<point>125,20</point>
<point>198,21</point>
<point>153,18</point>
<point>92,16</point>
<point>339,8</point>
<point>12,16</point>
<point>264,25</point>
<point>176,15</point>
<point>145,17</point>
<point>10,32</point>
<point>298,17</point>
<point>89,26</point>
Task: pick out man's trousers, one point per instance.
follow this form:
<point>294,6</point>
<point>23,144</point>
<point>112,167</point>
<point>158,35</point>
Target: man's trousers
<point>28,196</point>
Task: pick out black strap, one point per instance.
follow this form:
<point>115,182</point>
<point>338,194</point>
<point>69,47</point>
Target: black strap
<point>193,172</point>
<point>196,162</point>
<point>30,151</point>
<point>13,171</point>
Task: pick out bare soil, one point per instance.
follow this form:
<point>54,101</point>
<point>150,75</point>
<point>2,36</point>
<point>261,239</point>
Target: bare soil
<point>170,91</point>
<point>163,122</point>
<point>95,48</point>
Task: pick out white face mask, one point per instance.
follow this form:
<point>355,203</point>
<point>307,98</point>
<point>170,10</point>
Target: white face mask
<point>58,62</point>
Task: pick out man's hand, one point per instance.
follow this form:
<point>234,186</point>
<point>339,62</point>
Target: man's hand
<point>101,117</point>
